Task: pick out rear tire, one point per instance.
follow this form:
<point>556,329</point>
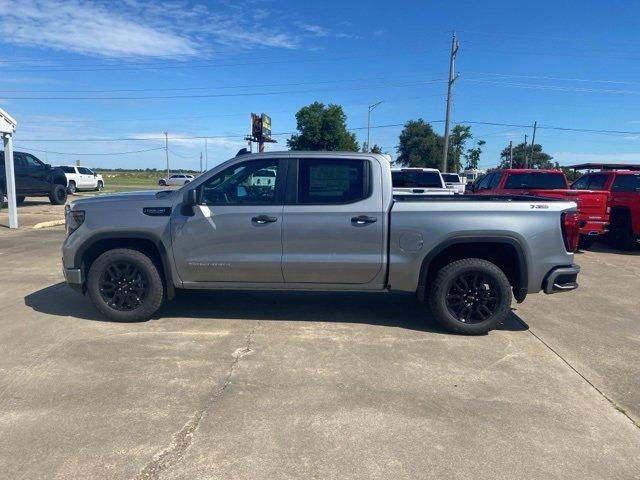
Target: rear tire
<point>125,285</point>
<point>470,296</point>
<point>1,198</point>
<point>621,233</point>
<point>72,187</point>
<point>58,195</point>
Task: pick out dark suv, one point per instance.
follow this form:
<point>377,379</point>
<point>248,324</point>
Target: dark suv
<point>34,179</point>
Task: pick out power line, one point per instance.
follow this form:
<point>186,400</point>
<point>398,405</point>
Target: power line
<point>237,94</point>
<point>549,87</point>
<point>556,78</point>
<point>90,154</point>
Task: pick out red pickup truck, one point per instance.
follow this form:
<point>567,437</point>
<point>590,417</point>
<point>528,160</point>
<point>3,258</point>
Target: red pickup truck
<point>593,212</point>
<point>624,202</point>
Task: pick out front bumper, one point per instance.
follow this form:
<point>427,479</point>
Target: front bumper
<point>561,279</point>
<point>74,278</point>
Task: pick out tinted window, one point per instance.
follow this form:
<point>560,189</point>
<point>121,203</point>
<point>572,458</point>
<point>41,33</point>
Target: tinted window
<point>597,181</point>
<point>484,182</point>
<point>243,184</point>
<point>547,181</point>
<point>67,169</point>
<point>581,184</point>
<point>495,181</point>
<point>451,178</point>
<point>84,171</point>
<point>416,179</point>
<point>626,183</point>
<point>32,162</point>
<point>331,181</point>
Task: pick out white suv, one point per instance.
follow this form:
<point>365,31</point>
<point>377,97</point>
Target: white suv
<point>418,181</point>
<point>82,178</point>
<point>177,179</point>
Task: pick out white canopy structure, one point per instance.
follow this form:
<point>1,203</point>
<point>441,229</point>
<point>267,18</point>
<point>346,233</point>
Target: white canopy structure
<point>7,129</point>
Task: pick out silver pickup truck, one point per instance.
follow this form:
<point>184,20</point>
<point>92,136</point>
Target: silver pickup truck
<point>318,221</point>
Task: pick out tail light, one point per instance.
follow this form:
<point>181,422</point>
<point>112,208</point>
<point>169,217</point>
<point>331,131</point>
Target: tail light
<point>570,230</point>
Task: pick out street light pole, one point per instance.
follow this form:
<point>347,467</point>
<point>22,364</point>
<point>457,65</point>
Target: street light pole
<point>371,107</point>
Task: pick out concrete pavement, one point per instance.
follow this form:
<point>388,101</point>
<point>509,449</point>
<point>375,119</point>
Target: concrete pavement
<point>276,385</point>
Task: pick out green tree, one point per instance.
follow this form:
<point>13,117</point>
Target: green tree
<point>460,134</point>
<point>374,149</point>
<point>540,158</point>
<point>472,156</point>
<point>419,145</point>
<point>322,128</point>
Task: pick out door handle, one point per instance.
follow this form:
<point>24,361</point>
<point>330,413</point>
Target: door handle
<point>363,219</point>
<point>262,219</point>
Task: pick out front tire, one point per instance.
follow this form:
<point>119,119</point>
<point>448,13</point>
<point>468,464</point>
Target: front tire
<point>58,195</point>
<point>162,183</point>
<point>470,296</point>
<point>100,186</point>
<point>621,233</point>
<point>125,285</point>
<point>20,200</point>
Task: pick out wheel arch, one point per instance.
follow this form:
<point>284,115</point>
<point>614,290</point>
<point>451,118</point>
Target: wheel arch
<point>141,241</point>
<point>506,252</point>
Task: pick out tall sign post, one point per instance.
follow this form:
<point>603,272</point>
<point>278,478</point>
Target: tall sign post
<point>260,131</point>
<point>7,129</point>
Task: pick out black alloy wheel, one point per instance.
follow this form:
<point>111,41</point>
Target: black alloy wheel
<point>123,286</point>
<point>472,297</point>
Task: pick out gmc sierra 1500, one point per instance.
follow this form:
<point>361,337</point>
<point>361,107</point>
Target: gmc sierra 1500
<point>329,221</point>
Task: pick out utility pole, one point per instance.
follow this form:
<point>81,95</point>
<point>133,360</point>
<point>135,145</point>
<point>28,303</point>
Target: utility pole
<point>206,156</point>
<point>533,140</point>
<point>510,153</point>
<point>452,78</point>
<point>200,162</point>
<point>526,162</point>
<point>371,107</point>
<point>166,150</point>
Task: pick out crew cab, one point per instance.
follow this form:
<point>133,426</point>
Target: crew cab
<point>418,181</point>
<point>593,214</point>
<point>82,178</point>
<point>34,178</point>
<point>624,202</point>
<point>329,221</point>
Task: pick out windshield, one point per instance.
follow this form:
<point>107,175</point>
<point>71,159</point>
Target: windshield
<point>416,179</point>
<point>451,178</point>
<point>541,180</point>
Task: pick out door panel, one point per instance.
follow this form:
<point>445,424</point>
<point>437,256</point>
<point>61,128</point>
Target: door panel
<point>225,244</point>
<point>235,234</point>
<point>324,242</point>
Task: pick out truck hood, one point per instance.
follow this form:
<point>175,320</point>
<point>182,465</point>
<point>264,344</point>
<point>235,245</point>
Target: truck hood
<point>147,196</point>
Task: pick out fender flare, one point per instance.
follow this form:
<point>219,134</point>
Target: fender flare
<point>519,292</point>
<point>78,258</point>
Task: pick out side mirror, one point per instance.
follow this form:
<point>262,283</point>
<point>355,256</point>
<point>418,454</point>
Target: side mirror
<point>95,174</point>
<point>190,198</point>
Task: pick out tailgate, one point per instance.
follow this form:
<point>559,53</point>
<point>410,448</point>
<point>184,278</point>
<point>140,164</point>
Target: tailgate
<point>592,204</point>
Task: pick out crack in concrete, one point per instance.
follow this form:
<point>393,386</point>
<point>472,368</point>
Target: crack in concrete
<point>171,455</point>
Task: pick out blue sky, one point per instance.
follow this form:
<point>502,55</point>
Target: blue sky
<point>569,64</point>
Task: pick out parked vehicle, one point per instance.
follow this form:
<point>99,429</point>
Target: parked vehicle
<point>176,179</point>
<point>593,213</point>
<point>418,181</point>
<point>329,222</point>
<point>82,178</point>
<point>453,182</point>
<point>34,179</point>
<point>624,202</point>
<point>473,174</point>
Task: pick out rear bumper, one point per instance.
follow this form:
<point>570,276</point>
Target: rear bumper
<point>561,279</point>
<point>73,277</point>
<point>593,227</point>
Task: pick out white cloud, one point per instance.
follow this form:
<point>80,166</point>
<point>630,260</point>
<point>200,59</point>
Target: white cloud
<point>142,28</point>
<point>564,158</point>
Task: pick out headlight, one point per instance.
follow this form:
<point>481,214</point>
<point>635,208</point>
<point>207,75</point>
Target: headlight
<point>73,219</point>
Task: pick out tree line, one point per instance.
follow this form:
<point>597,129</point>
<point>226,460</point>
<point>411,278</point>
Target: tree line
<point>324,127</point>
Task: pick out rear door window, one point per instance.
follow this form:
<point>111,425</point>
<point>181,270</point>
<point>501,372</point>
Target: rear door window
<point>67,169</point>
<point>332,181</point>
<point>84,171</point>
<point>535,180</point>
<point>597,181</point>
<point>415,179</point>
<point>626,183</point>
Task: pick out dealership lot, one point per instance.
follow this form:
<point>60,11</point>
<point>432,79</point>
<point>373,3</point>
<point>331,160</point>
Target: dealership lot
<point>282,385</point>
